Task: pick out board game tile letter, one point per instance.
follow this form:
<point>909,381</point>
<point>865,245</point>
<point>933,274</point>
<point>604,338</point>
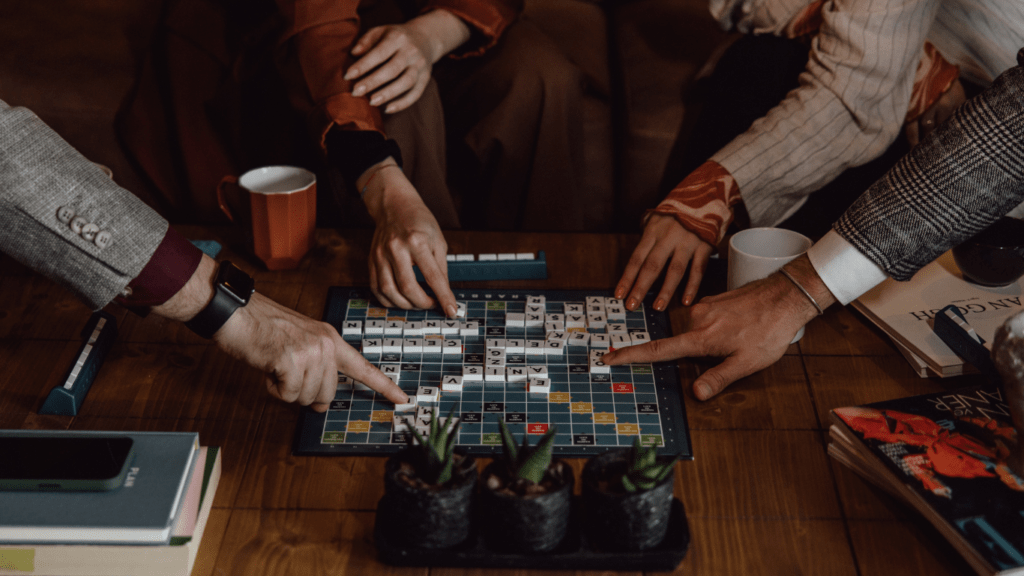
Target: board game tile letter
<point>537,428</point>
<point>627,429</point>
<point>451,383</point>
<point>581,408</point>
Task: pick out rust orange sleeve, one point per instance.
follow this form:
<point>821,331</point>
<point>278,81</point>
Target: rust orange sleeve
<point>487,18</point>
<point>321,34</point>
<point>702,203</point>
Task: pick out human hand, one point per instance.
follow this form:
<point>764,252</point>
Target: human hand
<point>396,60</point>
<point>406,234</point>
<point>664,241</point>
<point>938,113</point>
<point>751,327</point>
<point>300,356</point>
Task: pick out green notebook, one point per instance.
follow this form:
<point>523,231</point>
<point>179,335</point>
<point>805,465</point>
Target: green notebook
<point>141,511</point>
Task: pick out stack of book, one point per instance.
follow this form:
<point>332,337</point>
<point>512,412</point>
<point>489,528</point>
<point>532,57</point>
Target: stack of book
<point>905,311</point>
<point>944,454</point>
<point>151,524</point>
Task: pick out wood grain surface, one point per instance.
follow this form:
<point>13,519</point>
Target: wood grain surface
<point>761,494</point>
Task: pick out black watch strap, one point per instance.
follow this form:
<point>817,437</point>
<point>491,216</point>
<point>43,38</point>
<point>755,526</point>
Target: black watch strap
<point>232,290</point>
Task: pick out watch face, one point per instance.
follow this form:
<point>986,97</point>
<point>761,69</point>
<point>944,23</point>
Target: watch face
<point>237,283</point>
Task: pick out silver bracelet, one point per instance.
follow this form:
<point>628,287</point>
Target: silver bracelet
<point>802,289</point>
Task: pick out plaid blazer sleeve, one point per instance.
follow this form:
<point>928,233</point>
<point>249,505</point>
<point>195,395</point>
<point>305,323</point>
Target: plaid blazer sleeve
<point>63,217</point>
<point>957,182</point>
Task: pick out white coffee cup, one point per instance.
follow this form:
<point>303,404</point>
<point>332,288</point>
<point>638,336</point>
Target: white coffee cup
<point>755,253</point>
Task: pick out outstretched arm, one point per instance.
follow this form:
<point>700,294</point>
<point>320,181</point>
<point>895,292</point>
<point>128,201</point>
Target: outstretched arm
<point>63,217</point>
<point>300,357</point>
<point>957,182</point>
<point>406,234</point>
<point>751,327</point>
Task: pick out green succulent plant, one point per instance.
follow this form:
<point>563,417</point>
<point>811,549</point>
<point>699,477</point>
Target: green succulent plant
<point>432,457</point>
<point>525,461</point>
<point>645,472</point>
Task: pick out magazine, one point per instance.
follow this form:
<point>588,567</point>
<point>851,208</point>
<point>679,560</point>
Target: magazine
<point>945,455</point>
<point>905,311</point>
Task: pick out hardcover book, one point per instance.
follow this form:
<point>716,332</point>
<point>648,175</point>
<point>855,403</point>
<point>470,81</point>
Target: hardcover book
<point>905,311</point>
<point>141,511</point>
<point>945,455</point>
<point>175,559</point>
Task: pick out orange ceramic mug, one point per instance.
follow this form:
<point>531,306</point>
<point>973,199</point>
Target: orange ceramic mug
<point>283,201</point>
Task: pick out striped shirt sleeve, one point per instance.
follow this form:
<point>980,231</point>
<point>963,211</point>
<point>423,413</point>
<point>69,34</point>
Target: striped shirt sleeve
<point>849,107</point>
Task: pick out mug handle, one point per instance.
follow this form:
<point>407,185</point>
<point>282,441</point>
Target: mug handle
<point>221,201</point>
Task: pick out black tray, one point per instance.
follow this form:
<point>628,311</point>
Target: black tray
<point>573,553</point>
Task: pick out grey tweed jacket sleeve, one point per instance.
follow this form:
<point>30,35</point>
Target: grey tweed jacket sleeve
<point>63,217</point>
<point>957,182</point>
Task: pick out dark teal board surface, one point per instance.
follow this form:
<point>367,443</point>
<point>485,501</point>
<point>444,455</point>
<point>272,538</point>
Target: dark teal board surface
<point>592,412</point>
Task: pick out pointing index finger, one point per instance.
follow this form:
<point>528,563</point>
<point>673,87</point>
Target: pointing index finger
<point>680,346</point>
<point>437,279</point>
<point>355,366</point>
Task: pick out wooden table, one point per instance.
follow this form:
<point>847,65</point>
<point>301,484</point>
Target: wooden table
<point>762,496</point>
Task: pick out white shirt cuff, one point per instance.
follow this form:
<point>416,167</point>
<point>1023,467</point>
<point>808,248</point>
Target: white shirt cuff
<point>847,273</point>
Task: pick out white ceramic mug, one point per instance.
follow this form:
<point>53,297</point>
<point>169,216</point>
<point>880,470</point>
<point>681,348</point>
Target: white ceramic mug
<point>755,253</point>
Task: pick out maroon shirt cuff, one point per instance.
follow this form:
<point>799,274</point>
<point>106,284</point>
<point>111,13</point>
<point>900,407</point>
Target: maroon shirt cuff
<point>167,272</point>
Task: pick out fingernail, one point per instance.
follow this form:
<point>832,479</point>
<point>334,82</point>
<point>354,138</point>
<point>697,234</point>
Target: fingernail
<point>702,390</point>
<point>350,74</point>
<point>358,91</point>
<point>659,304</point>
<point>451,311</point>
<point>376,100</point>
<point>631,303</point>
<point>620,293</point>
<point>389,109</point>
<point>687,300</point>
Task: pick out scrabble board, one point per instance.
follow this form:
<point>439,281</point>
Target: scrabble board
<point>528,357</point>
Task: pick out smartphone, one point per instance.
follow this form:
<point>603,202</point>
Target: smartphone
<point>64,463</point>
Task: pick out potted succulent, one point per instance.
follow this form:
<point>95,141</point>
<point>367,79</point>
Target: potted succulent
<point>627,497</point>
<point>526,496</point>
<point>428,489</point>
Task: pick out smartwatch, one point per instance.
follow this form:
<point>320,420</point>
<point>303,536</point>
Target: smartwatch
<point>231,290</point>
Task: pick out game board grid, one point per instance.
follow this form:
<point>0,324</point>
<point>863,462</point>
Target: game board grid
<point>519,408</point>
<point>668,409</point>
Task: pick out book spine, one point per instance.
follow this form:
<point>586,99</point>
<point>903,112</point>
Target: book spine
<point>90,560</point>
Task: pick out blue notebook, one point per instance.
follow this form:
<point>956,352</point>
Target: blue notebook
<point>141,511</point>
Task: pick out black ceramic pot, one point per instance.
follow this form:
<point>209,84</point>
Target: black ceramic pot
<point>427,517</point>
<point>526,524</point>
<point>620,520</point>
<point>994,257</point>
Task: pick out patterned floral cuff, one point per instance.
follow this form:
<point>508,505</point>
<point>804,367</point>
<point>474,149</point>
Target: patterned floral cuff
<point>933,78</point>
<point>702,203</point>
